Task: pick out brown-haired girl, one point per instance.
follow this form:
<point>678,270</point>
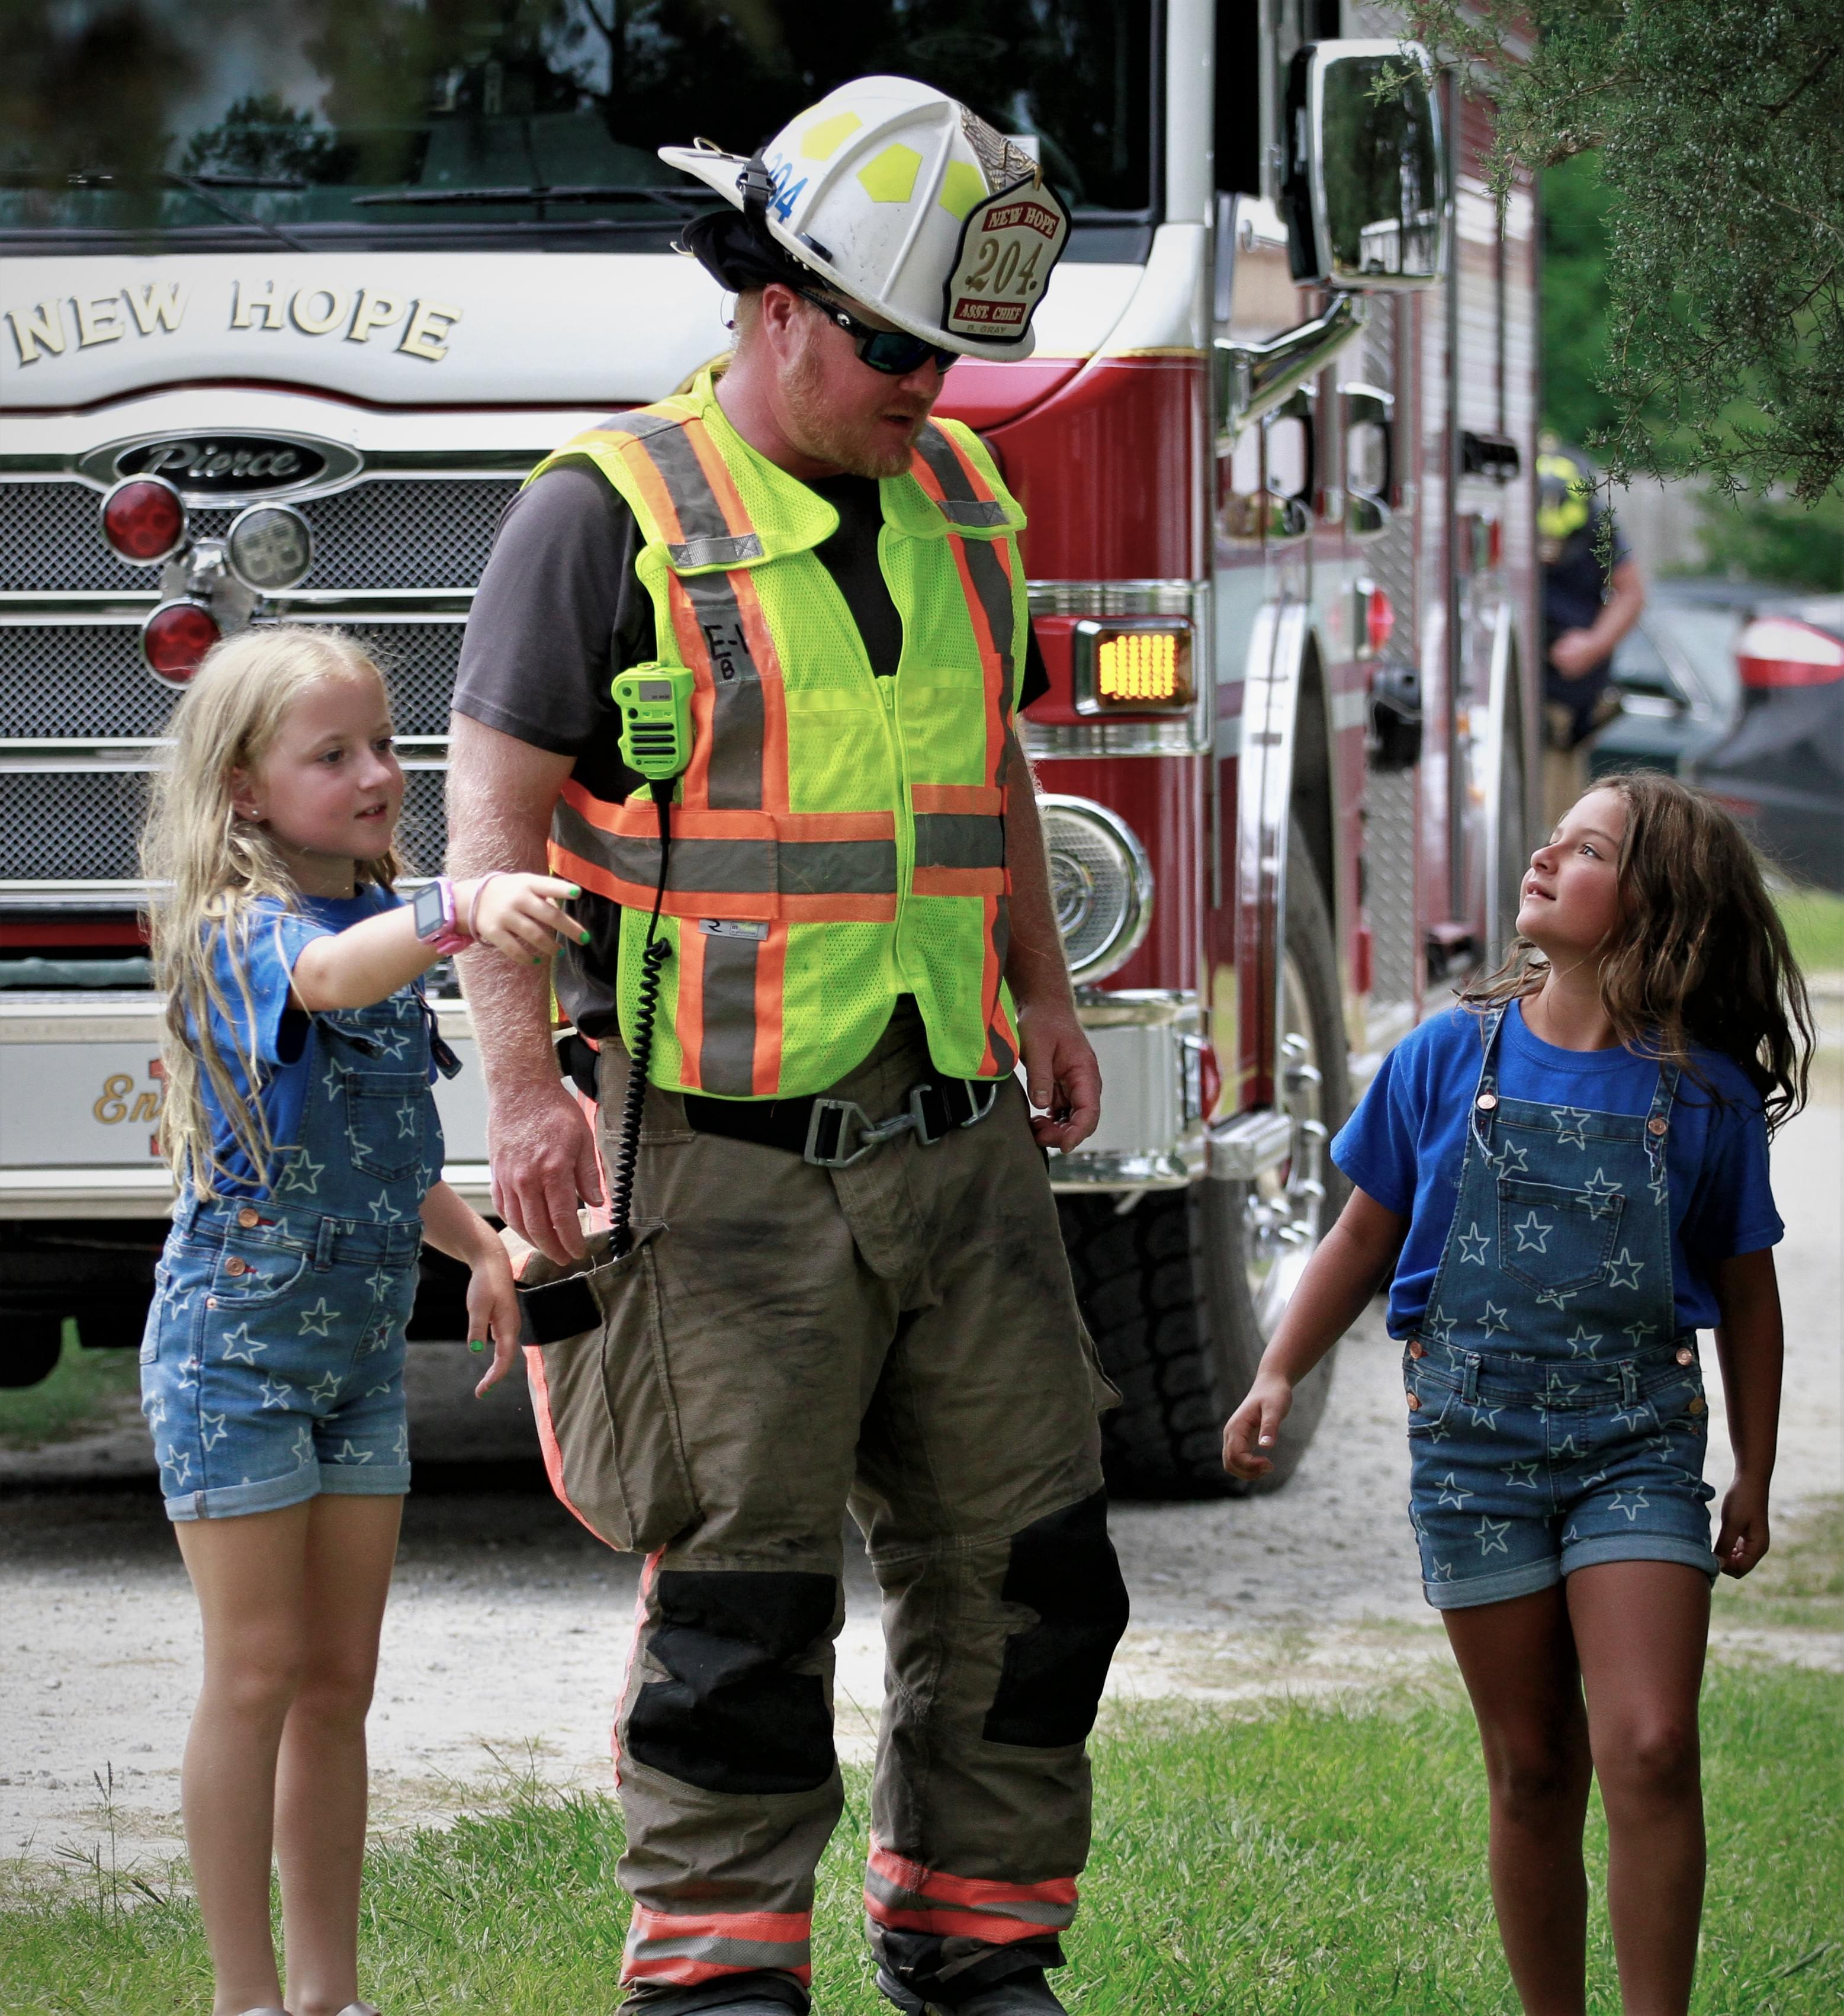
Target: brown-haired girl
<point>1565,1178</point>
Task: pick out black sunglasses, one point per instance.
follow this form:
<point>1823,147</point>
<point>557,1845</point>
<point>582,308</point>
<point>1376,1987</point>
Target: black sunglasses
<point>893,351</point>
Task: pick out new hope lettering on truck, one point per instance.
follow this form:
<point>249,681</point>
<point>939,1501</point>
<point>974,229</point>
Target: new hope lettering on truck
<point>159,307</point>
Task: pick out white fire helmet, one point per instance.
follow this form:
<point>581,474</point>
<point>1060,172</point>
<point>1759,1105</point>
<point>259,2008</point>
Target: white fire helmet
<point>897,195</point>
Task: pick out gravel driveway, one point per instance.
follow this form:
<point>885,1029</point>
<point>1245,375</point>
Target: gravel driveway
<point>508,1625</point>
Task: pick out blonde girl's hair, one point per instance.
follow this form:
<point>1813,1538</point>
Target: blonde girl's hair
<point>1699,956</point>
<point>207,866</point>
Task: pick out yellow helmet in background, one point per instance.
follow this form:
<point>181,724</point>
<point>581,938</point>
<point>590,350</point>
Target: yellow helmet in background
<point>1565,493</point>
<point>896,195</point>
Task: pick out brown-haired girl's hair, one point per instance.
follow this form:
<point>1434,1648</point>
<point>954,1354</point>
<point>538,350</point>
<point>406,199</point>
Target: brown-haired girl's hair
<point>1700,955</point>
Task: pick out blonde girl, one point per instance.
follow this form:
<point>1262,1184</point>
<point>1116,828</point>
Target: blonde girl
<point>299,1053</point>
<point>1566,1179</point>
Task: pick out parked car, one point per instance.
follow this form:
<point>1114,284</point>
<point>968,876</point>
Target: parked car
<point>1781,767</point>
<point>1675,672</point>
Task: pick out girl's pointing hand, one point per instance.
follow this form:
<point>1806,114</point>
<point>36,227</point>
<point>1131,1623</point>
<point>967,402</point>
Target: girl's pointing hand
<point>521,916</point>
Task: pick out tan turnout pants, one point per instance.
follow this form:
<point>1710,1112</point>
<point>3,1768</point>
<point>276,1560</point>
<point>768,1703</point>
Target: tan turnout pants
<point>899,1338</point>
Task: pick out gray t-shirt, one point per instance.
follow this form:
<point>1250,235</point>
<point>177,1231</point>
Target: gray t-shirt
<point>559,613</point>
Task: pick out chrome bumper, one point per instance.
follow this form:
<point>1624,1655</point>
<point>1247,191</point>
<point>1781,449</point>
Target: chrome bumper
<point>1153,1134</point>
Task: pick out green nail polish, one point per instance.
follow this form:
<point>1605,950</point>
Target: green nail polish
<point>574,891</point>
<point>476,1343</point>
<point>582,937</point>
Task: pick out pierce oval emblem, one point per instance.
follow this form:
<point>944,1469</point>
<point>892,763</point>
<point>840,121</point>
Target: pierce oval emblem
<point>228,465</point>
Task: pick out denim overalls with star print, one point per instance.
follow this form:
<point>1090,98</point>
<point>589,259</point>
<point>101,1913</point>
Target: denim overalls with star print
<point>272,1368</point>
<point>1556,1414</point>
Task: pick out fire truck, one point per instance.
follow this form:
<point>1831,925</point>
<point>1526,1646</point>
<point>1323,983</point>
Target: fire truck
<point>289,360</point>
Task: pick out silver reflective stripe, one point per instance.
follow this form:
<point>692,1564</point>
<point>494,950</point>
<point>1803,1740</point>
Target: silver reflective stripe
<point>960,840</point>
<point>894,1897</point>
<point>727,1056</point>
<point>974,511</point>
<point>734,780</point>
<point>730,550</point>
<point>991,582</point>
<point>739,1954</point>
<point>735,867</point>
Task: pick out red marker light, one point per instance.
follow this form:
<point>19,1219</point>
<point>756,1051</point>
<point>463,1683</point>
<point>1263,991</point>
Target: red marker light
<point>1380,620</point>
<point>144,521</point>
<point>175,638</point>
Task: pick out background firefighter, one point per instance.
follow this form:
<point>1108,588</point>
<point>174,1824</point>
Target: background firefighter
<point>858,907</point>
<point>1593,594</point>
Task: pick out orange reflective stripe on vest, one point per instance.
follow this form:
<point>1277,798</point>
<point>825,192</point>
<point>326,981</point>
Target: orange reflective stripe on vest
<point>964,497</point>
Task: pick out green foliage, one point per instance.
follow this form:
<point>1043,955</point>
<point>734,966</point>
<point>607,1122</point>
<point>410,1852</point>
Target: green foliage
<point>1814,921</point>
<point>84,1390</point>
<point>1768,538</point>
<point>1717,125</point>
<point>1574,304</point>
<point>1297,1860</point>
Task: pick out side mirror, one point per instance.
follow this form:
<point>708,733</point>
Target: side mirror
<point>1365,196</point>
<point>1266,477</point>
<point>1370,458</point>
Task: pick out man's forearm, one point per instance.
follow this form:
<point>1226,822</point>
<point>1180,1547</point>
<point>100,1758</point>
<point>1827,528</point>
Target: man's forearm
<point>500,821</point>
<point>1036,968</point>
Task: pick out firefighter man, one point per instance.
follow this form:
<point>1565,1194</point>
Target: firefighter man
<point>835,1305</point>
<point>1593,594</point>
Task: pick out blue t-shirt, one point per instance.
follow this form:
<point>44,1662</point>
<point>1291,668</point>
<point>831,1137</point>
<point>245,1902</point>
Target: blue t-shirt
<point>263,946</point>
<point>1405,1143</point>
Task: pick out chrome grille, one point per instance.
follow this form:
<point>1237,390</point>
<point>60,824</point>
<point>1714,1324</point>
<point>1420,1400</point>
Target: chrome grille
<point>70,825</point>
<point>87,678</point>
<point>83,825</point>
<point>409,532</point>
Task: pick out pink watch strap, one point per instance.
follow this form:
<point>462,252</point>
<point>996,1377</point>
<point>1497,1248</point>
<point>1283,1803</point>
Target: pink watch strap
<point>454,937</point>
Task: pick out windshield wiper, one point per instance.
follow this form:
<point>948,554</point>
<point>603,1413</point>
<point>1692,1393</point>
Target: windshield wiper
<point>539,192</point>
<point>199,186</point>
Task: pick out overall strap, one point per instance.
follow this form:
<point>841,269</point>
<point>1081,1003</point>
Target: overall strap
<point>1657,1128</point>
<point>1485,1098</point>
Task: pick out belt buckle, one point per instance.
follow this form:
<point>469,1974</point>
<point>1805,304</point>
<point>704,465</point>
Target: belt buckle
<point>825,1108</point>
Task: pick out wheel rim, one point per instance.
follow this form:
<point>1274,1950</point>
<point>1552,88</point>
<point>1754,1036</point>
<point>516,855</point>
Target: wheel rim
<point>1283,1218</point>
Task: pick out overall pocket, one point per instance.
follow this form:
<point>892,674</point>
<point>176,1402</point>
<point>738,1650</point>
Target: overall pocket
<point>1552,1238</point>
<point>385,1121</point>
<point>1429,1396</point>
<point>249,1272</point>
<point>595,1356</point>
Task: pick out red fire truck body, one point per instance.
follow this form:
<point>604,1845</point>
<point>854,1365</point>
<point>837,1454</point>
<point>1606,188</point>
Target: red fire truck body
<point>1281,565</point>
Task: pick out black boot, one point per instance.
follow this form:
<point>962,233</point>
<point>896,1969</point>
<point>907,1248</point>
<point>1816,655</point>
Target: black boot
<point>1025,1994</point>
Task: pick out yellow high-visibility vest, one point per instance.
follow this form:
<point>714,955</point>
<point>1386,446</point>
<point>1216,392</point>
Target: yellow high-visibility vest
<point>839,839</point>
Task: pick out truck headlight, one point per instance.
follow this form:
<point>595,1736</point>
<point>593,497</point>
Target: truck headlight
<point>1100,881</point>
<point>269,547</point>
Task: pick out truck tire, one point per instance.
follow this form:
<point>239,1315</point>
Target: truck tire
<point>32,1351</point>
<point>1182,1292</point>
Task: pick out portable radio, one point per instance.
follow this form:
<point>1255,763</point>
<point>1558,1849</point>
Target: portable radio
<point>656,706</point>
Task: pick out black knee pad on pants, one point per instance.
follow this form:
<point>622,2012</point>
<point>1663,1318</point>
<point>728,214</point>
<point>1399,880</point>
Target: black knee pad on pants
<point>1063,1567</point>
<point>732,1718</point>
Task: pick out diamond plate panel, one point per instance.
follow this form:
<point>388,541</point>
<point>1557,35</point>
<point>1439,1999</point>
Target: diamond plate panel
<point>1389,882</point>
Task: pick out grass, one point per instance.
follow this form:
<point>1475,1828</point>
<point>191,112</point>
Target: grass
<point>1814,921</point>
<point>1325,1862</point>
<point>1800,1586</point>
<point>84,1390</point>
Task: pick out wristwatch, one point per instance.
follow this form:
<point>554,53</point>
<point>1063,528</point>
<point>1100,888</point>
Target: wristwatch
<point>434,911</point>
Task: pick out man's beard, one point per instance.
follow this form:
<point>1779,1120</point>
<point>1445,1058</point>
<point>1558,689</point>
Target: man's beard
<point>857,450</point>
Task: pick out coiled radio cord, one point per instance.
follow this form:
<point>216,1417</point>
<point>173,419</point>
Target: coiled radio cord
<point>653,957</point>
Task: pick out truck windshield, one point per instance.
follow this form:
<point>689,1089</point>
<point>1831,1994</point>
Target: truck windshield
<point>323,122</point>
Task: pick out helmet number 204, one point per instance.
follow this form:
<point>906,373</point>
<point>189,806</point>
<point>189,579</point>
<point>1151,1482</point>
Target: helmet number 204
<point>1009,248</point>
